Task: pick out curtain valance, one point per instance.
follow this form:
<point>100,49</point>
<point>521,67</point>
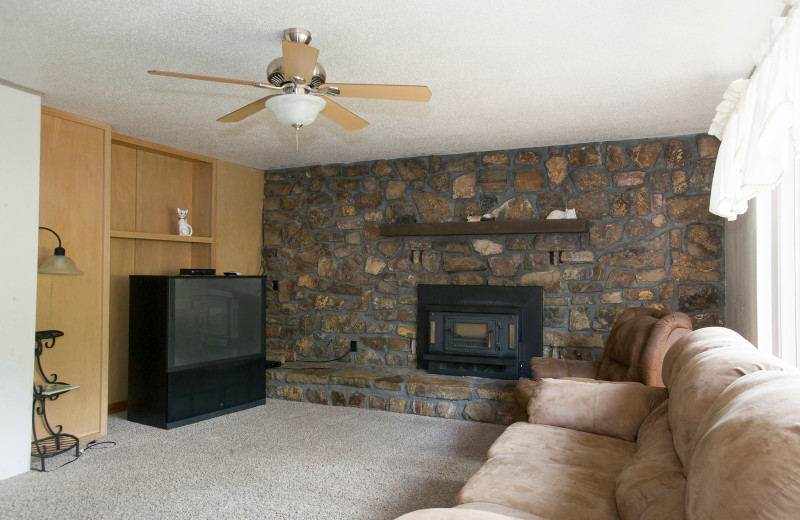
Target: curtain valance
<point>758,122</point>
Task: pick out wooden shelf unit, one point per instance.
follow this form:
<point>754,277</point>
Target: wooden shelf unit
<point>148,183</point>
<point>491,227</point>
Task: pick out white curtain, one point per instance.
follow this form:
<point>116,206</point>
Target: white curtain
<point>758,122</point>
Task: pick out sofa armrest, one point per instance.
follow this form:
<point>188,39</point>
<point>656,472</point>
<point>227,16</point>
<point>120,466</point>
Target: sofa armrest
<point>616,409</point>
<point>542,367</point>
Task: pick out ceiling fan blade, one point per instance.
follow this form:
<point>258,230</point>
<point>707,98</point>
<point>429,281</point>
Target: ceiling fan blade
<point>204,78</point>
<point>341,116</point>
<point>245,111</point>
<point>396,92</point>
<point>299,59</point>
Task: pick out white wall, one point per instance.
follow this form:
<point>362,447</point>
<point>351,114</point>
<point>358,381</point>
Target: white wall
<point>20,123</point>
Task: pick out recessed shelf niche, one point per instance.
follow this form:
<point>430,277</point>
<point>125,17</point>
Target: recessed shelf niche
<point>148,183</point>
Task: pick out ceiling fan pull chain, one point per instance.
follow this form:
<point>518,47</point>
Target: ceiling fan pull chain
<point>297,139</point>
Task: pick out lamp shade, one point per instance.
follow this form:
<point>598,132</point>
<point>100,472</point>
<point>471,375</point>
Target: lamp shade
<point>59,264</point>
<point>296,109</point>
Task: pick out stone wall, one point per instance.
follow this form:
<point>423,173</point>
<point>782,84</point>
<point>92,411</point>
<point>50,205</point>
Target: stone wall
<point>651,242</point>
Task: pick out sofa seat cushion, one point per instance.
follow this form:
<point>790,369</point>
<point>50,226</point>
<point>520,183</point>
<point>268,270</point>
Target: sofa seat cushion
<point>654,474</point>
<point>477,511</point>
<point>551,472</point>
<point>497,509</point>
<point>555,444</point>
<point>668,506</point>
<point>745,461</point>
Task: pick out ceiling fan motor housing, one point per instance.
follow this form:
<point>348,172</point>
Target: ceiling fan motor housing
<point>276,77</point>
<point>275,73</point>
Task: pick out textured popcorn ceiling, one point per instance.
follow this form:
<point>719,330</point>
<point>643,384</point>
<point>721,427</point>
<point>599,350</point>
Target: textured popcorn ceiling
<point>503,74</point>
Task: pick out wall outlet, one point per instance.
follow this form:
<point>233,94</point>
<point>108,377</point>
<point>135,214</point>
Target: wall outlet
<point>353,346</point>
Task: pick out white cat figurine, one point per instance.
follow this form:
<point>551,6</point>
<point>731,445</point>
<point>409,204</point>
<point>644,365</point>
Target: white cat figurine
<point>558,214</point>
<point>184,229</point>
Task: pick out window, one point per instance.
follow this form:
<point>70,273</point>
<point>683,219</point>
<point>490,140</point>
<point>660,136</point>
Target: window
<point>785,257</point>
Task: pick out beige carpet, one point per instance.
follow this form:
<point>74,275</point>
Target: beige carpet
<point>284,460</point>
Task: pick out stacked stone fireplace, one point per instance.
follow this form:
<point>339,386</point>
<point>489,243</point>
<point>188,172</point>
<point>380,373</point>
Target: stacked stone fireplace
<point>651,241</point>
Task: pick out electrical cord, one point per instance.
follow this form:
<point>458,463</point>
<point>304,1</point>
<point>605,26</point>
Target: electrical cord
<point>261,266</point>
<point>322,360</point>
<point>261,271</point>
<point>91,445</point>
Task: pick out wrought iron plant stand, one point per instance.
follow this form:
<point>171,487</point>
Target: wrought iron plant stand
<point>56,442</point>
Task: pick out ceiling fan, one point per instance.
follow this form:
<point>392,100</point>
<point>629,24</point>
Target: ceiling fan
<point>299,92</point>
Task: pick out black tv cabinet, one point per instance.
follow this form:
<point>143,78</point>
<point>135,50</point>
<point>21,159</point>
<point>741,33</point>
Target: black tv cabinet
<point>167,394</point>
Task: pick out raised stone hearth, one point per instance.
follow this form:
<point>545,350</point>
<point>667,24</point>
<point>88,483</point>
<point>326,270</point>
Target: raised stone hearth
<point>394,389</point>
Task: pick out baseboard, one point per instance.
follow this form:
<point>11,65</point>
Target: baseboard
<point>117,407</point>
<point>89,437</point>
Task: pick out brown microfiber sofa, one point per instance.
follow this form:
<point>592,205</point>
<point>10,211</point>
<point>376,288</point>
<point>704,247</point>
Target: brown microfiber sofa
<point>722,441</point>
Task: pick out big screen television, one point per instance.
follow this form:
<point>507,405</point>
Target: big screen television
<point>197,347</point>
<point>215,318</point>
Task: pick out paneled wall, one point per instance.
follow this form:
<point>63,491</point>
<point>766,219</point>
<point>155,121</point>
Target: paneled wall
<point>73,201</point>
<point>238,228</point>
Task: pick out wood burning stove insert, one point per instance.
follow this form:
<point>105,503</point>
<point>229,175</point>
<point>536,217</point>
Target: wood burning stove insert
<point>484,331</point>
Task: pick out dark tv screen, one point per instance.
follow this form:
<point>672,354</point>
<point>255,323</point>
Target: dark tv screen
<point>216,319</point>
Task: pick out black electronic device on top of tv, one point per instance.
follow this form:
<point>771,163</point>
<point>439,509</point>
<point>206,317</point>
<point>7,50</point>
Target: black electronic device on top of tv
<point>197,347</point>
<point>199,272</point>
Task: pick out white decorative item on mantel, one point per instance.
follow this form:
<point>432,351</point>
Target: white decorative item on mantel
<point>184,229</point>
<point>558,214</point>
<point>472,217</point>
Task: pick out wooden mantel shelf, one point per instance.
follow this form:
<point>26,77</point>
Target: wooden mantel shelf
<point>492,227</point>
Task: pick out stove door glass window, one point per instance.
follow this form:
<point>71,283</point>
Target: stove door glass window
<point>475,335</point>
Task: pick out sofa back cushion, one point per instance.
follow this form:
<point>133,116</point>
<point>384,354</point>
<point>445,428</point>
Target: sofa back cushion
<point>697,369</point>
<point>653,472</point>
<point>637,343</point>
<point>746,460</point>
<point>611,408</point>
